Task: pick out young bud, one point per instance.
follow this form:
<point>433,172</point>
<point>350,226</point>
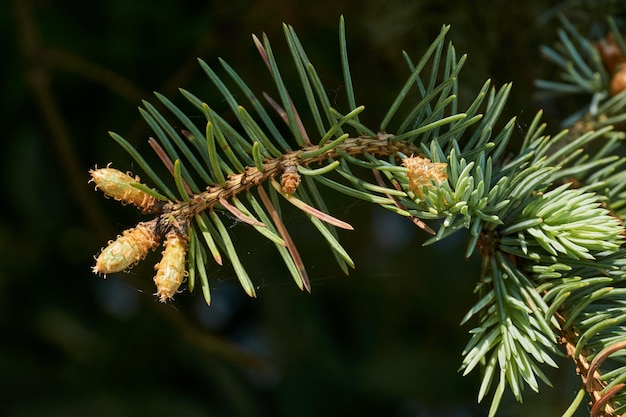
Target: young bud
<point>117,184</point>
<point>171,270</point>
<point>424,173</point>
<point>290,179</point>
<point>128,249</point>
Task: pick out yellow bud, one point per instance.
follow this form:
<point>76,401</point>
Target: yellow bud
<point>423,173</point>
<point>116,184</point>
<point>128,249</point>
<point>171,270</point>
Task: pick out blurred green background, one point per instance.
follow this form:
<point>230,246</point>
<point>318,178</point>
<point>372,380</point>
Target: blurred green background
<point>383,341</point>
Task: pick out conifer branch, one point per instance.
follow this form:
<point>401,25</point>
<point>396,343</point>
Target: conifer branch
<point>252,176</point>
<point>547,221</point>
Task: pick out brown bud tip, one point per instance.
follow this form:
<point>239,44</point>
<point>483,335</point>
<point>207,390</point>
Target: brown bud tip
<point>290,179</point>
<point>171,270</point>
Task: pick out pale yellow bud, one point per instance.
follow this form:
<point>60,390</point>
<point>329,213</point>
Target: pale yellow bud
<point>117,184</point>
<point>128,249</point>
<point>171,270</point>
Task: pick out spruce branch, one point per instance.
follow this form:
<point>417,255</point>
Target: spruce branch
<point>547,221</point>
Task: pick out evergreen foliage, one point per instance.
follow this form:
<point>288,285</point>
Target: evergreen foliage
<point>547,221</point>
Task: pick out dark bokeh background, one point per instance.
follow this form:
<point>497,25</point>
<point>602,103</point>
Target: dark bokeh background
<point>383,341</point>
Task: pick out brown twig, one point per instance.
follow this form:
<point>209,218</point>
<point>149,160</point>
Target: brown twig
<point>237,183</point>
<point>589,373</point>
